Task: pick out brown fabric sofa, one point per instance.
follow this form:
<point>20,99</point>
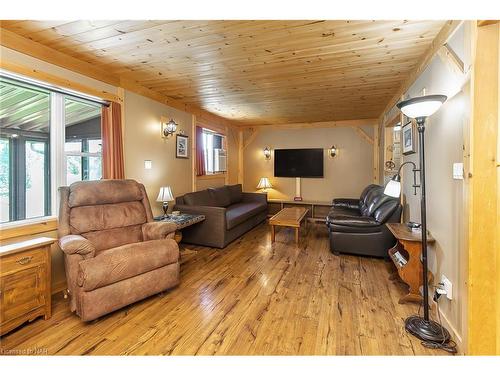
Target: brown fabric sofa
<point>114,253</point>
<point>229,213</point>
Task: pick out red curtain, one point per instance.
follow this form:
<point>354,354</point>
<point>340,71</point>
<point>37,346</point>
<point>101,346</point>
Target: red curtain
<point>200,154</point>
<point>112,142</point>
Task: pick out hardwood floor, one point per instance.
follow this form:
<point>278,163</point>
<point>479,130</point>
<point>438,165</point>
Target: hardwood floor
<point>250,298</point>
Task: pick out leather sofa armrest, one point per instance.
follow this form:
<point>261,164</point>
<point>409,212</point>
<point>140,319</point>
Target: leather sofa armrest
<point>76,244</point>
<point>215,215</point>
<point>254,197</point>
<point>350,203</point>
<point>157,230</point>
<point>353,221</point>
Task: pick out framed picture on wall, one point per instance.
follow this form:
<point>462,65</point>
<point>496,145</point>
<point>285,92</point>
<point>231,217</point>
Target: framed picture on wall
<point>408,132</point>
<point>182,146</point>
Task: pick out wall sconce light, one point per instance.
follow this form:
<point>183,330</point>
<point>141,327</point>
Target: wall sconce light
<point>148,164</point>
<point>333,151</point>
<point>168,128</point>
<point>267,153</point>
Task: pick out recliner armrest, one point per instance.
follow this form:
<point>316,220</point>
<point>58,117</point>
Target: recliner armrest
<point>353,221</point>
<point>158,230</point>
<point>350,203</point>
<point>76,244</point>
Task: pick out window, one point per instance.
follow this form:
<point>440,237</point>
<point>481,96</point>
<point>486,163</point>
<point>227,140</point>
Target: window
<point>83,145</point>
<point>24,152</point>
<point>31,120</point>
<point>215,154</point>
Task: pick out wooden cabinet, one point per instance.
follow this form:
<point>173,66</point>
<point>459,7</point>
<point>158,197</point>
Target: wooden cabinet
<point>24,282</point>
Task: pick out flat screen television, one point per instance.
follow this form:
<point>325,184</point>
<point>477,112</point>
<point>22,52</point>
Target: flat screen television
<point>300,162</point>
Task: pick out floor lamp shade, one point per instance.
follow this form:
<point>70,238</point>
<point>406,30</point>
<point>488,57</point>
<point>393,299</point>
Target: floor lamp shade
<point>422,106</point>
<point>393,189</point>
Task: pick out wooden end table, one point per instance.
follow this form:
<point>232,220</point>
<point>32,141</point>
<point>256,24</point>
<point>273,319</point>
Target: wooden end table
<point>406,256</point>
<point>288,217</point>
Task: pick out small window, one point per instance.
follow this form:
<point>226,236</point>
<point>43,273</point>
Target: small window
<point>214,148</point>
<point>83,146</point>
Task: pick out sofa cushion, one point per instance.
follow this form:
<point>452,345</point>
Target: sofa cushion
<point>367,205</point>
<point>126,261</point>
<point>220,196</point>
<point>89,193</point>
<point>385,210</point>
<point>110,238</point>
<point>235,193</point>
<point>198,198</point>
<point>240,212</point>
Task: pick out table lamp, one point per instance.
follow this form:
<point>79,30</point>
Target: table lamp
<point>264,184</point>
<point>165,196</point>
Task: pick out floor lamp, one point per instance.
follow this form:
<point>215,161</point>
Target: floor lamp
<point>420,108</point>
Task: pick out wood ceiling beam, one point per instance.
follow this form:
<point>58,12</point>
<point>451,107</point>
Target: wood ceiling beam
<point>37,50</point>
<point>439,41</point>
<point>316,125</point>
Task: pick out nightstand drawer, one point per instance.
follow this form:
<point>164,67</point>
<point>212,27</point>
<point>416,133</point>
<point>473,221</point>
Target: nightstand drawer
<point>22,260</point>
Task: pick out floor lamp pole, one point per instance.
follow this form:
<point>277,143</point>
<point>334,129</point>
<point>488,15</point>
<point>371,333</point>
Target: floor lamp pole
<point>424,328</point>
<point>423,214</point>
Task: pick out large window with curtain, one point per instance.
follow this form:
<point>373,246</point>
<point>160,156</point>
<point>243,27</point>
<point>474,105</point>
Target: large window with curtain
<point>48,138</point>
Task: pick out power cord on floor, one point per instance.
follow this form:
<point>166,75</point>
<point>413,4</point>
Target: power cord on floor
<point>449,346</point>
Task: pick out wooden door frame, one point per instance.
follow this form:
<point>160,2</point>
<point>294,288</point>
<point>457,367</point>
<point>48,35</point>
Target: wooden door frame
<point>483,311</point>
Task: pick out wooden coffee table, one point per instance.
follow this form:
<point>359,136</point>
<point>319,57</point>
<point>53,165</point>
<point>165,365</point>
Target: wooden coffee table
<point>288,217</point>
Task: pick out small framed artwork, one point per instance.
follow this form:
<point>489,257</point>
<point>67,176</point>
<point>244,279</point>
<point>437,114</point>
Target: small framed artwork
<point>408,132</point>
<point>182,146</point>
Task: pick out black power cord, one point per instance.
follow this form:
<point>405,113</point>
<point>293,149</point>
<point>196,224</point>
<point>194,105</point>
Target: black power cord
<point>447,345</point>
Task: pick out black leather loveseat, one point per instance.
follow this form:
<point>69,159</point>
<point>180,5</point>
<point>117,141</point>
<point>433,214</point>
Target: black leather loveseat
<point>357,226</point>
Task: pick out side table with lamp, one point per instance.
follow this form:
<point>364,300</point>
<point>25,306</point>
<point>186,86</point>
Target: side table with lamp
<point>179,219</point>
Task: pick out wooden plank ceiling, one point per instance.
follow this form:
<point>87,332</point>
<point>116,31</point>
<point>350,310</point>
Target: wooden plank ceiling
<point>252,72</point>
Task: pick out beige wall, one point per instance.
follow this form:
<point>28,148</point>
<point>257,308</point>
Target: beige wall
<point>143,141</point>
<point>344,176</point>
<point>444,137</point>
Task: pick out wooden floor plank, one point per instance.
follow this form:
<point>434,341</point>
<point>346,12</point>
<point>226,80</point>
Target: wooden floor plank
<point>254,297</point>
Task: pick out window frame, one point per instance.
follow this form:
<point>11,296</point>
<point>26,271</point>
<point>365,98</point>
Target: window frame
<point>209,131</point>
<point>55,160</point>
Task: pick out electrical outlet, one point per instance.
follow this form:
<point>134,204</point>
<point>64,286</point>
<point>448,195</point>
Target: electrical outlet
<point>447,286</point>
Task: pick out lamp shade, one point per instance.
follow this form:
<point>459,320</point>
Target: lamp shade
<point>264,183</point>
<point>165,194</point>
<point>393,188</point>
<point>422,106</point>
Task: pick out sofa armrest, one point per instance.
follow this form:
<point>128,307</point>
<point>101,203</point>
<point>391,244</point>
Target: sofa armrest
<point>353,221</point>
<point>216,215</point>
<point>254,197</point>
<point>76,244</point>
<point>158,230</point>
<point>350,203</point>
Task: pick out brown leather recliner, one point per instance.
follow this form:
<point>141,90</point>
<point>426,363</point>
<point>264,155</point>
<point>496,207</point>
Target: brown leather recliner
<point>115,254</point>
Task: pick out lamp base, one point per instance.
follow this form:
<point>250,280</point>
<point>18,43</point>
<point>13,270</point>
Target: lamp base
<point>426,330</point>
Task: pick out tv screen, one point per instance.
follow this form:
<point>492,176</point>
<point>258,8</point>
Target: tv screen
<point>301,162</point>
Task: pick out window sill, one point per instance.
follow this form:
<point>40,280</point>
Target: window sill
<point>28,227</point>
<point>212,176</point>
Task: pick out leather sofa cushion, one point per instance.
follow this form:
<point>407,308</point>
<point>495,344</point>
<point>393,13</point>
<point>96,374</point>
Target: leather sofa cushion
<point>385,210</point>
<point>198,198</point>
<point>88,193</point>
<point>353,221</point>
<point>235,193</point>
<point>106,216</point>
<point>367,205</point>
<point>220,196</point>
<point>355,229</point>
<point>240,212</point>
<point>126,261</point>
